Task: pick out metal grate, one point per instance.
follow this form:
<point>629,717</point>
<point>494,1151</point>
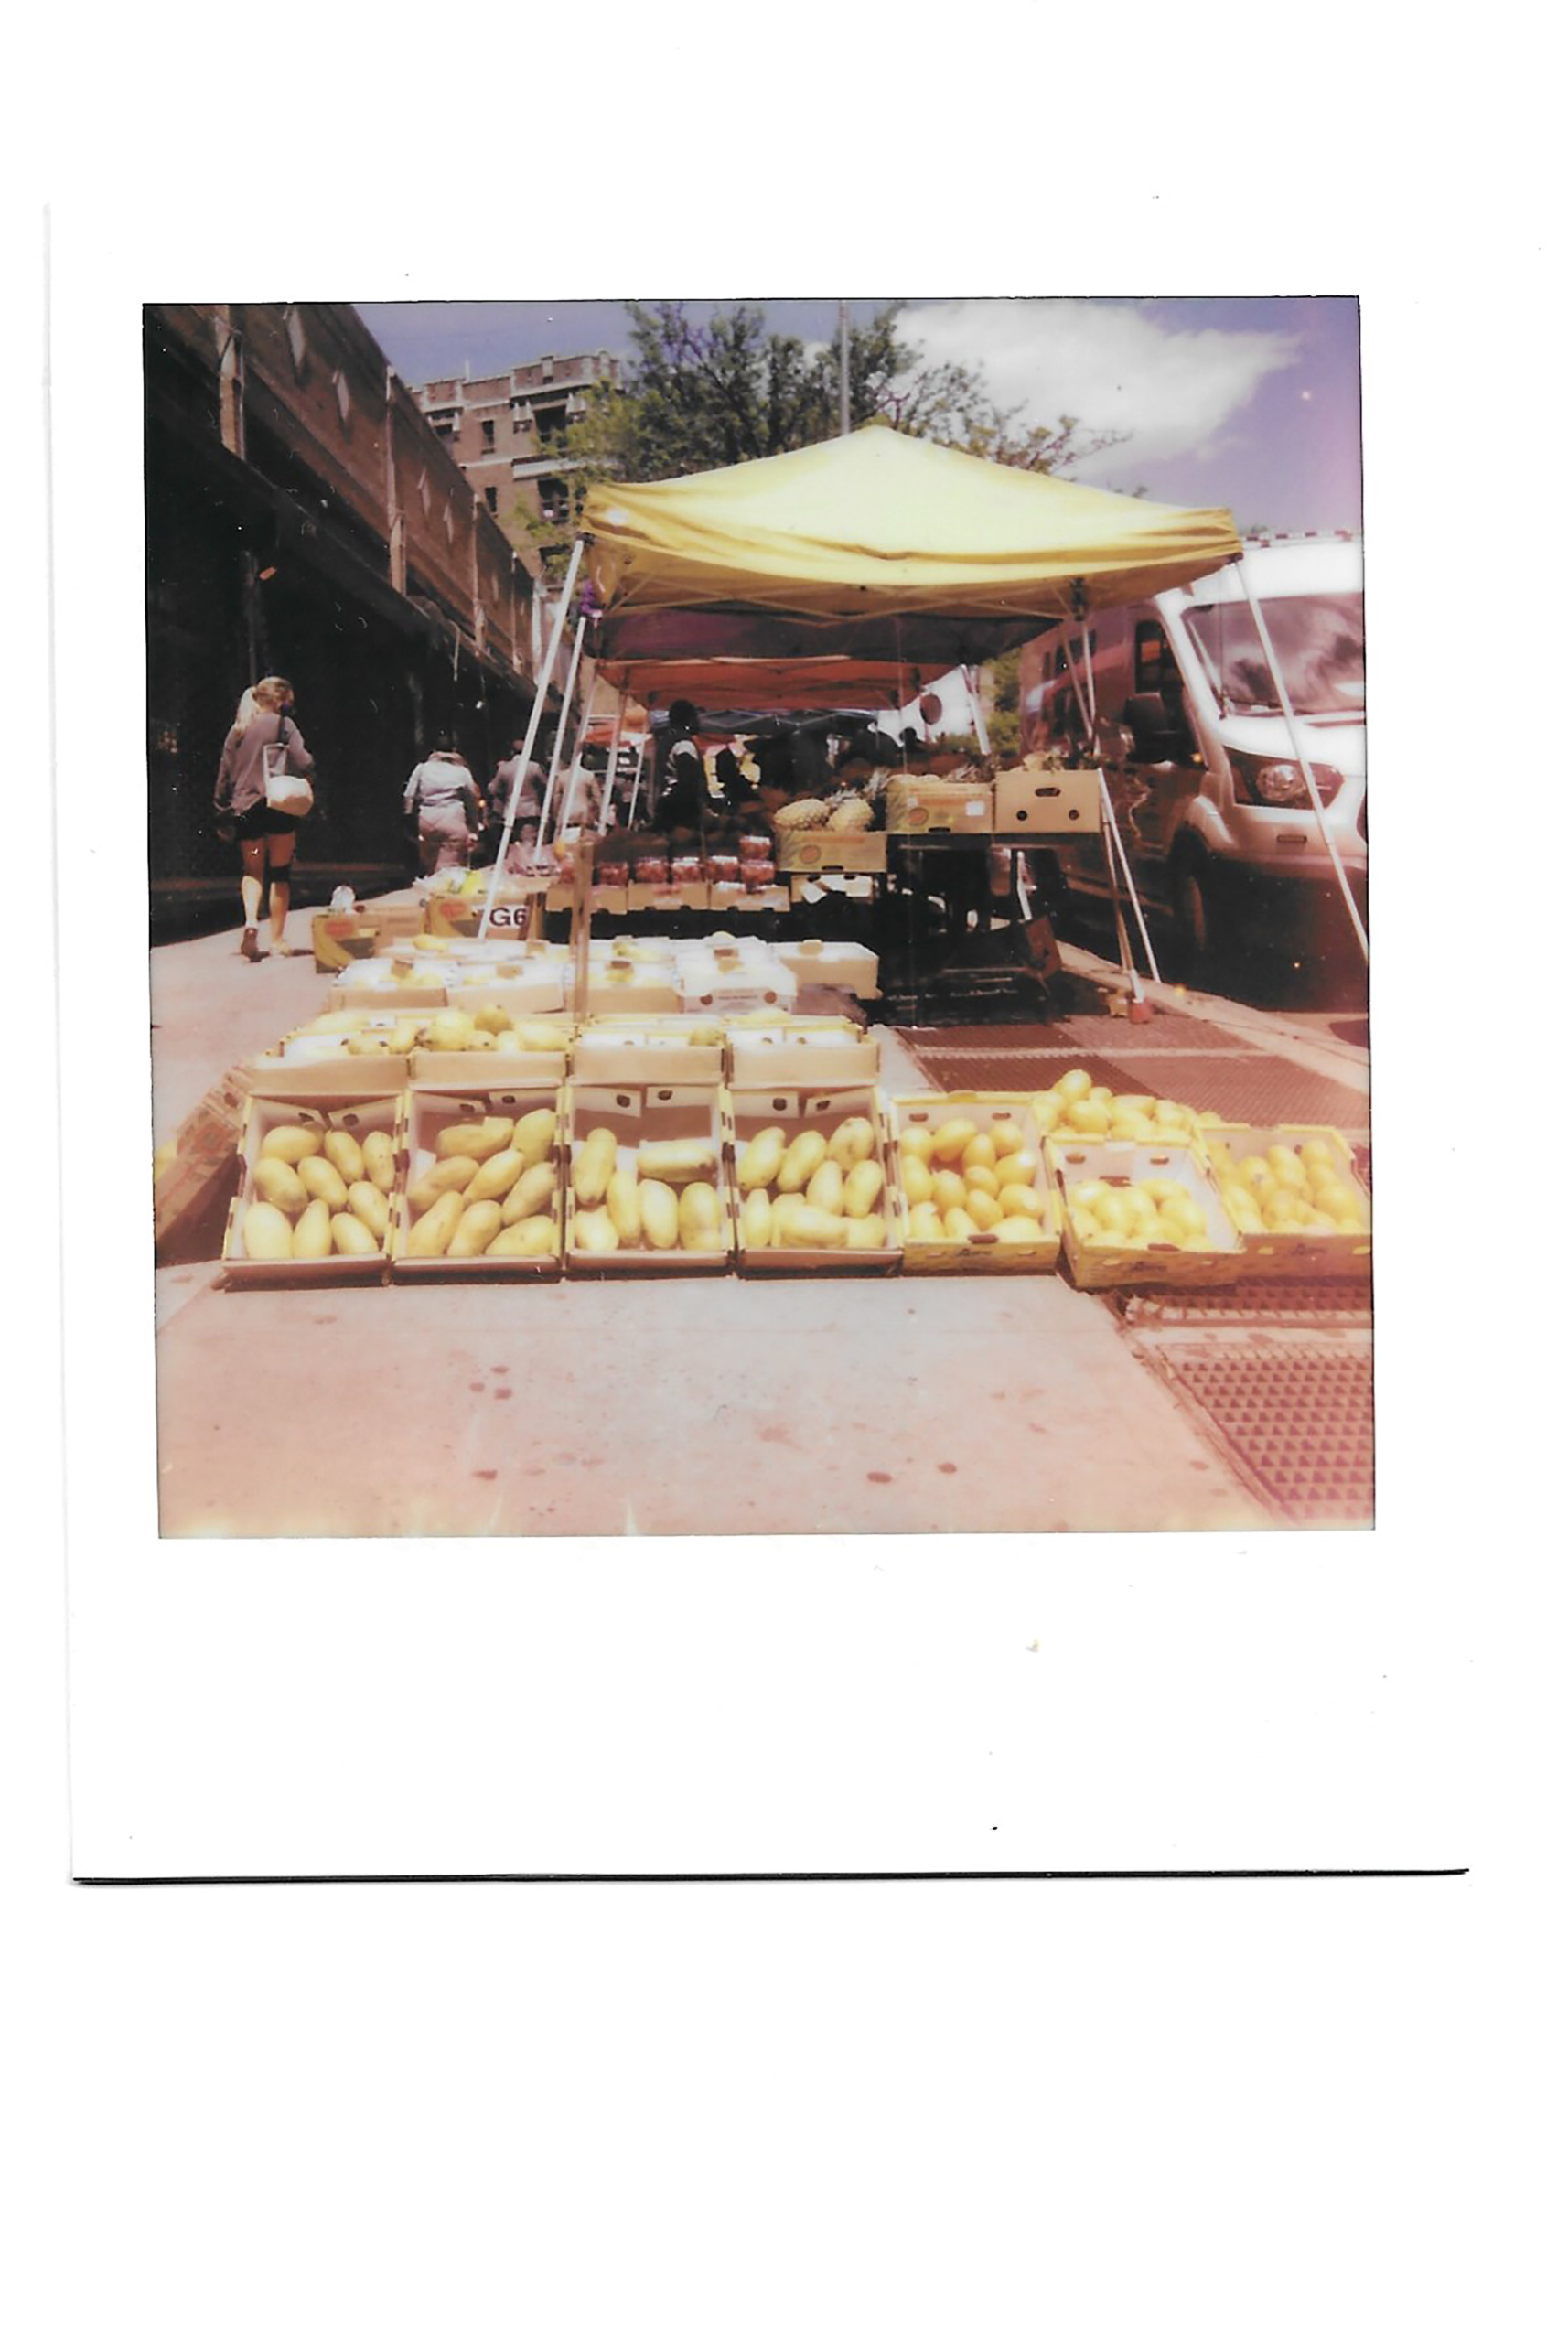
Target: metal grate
<point>1255,1089</point>
<point>994,1068</point>
<point>1294,1421</point>
<point>1294,1302</point>
<point>1068,1034</point>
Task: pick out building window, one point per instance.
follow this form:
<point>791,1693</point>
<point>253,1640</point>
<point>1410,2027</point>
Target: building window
<point>554,505</point>
<point>296,332</point>
<point>489,500</point>
<point>487,433</point>
<point>344,403</point>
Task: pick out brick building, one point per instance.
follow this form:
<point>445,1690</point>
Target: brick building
<point>507,433</point>
<point>302,518</point>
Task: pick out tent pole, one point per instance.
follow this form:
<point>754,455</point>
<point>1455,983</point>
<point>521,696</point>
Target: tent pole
<point>974,690</point>
<point>535,714</point>
<point>1091,715</point>
<point>637,782</point>
<point>560,730</point>
<point>574,772</point>
<point>1299,744</point>
<point>608,797</point>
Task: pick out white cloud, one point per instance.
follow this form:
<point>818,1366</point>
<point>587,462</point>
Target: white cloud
<point>1114,368</point>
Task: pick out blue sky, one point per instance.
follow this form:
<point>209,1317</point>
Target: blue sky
<point>1249,403</point>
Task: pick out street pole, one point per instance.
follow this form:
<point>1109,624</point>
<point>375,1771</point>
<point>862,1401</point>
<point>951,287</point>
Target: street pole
<point>843,369</point>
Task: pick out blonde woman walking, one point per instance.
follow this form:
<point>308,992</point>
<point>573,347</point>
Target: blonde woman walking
<point>262,721</point>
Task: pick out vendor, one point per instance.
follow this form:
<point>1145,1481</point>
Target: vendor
<point>682,810</point>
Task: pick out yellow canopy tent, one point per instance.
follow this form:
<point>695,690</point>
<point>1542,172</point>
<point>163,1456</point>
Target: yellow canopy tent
<point>760,684</point>
<point>878,547</point>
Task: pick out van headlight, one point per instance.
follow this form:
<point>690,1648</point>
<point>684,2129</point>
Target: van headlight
<point>1279,780</point>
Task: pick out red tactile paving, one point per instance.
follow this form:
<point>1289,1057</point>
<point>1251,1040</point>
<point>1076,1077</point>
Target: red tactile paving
<point>1296,1422</point>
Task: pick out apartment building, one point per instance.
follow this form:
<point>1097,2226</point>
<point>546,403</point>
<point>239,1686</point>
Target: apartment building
<point>507,433</point>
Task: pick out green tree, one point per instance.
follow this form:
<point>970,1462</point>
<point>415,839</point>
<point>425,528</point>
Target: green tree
<point>697,397</point>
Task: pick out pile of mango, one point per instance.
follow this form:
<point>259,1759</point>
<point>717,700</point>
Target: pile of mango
<point>488,1192</point>
<point>667,1201</point>
<point>1079,1107</point>
<point>316,1192</point>
<point>1128,1215</point>
<point>819,1190</point>
<point>960,1180</point>
<point>1290,1191</point>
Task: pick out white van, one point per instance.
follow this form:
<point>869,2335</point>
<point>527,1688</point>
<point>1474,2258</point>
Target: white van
<point>1212,804</point>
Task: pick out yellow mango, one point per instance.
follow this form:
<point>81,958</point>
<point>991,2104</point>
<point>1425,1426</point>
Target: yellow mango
<point>917,1140</point>
<point>1018,1228</point>
<point>825,1188</point>
<point>477,1228</point>
<point>980,1152</point>
<point>1007,1138</point>
<point>621,1203</point>
<point>659,1214</point>
<point>478,1138</point>
<point>926,1223</point>
<point>866,1235</point>
<point>525,1240</point>
<point>266,1233</point>
<point>819,1230</point>
<point>450,1028</point>
<point>915,1177</point>
<point>851,1142</point>
<point>536,1033</point>
<point>1088,1116</point>
<point>495,1179</point>
<point>676,1160</point>
<point>351,1235</point>
<point>366,1045</point>
<point>761,1160</point>
<point>698,1206</point>
<point>290,1143</point>
<point>380,1160</point>
<point>951,1138</point>
<point>756,1221</point>
<point>804,1155</point>
<point>491,1019</point>
<point>948,1190</point>
<point>981,1179</point>
<point>343,1153</point>
<point>432,1231</point>
<point>441,1179</point>
<point>594,1232</point>
<point>277,1182</point>
<point>1074,1084</point>
<point>533,1192</point>
<point>1047,1110</point>
<point>534,1134</point>
<point>959,1225</point>
<point>592,1165</point>
<point>984,1210</point>
<point>319,1179</point>
<point>312,1238</point>
<point>786,1208</point>
<point>370,1208</point>
<point>861,1190</point>
<point>1016,1199</point>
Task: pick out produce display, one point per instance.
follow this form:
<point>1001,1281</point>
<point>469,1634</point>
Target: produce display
<point>1289,1183</point>
<point>489,1189</point>
<point>653,1196</point>
<point>967,1175</point>
<point>1119,1214</point>
<point>821,1190</point>
<point>803,813</point>
<point>316,1192</point>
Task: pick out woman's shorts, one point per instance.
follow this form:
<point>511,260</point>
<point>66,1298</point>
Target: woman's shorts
<point>259,821</point>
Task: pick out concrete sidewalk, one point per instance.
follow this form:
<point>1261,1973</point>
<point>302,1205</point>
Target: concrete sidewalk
<point>678,1406</point>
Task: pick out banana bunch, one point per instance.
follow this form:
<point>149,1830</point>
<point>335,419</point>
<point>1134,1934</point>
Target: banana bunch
<point>961,1181</point>
<point>490,1191</point>
<point>819,1190</point>
<point>316,1192</point>
<point>667,1200</point>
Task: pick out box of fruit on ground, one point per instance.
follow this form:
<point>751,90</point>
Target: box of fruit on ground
<point>972,1187</point>
<point>812,1178</point>
<point>315,1189</point>
<point>1291,1192</point>
<point>1141,1212</point>
<point>482,1192</point>
<point>646,1189</point>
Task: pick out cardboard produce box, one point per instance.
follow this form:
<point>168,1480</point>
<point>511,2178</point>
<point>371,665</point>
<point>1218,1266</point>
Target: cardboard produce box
<point>458,915</point>
<point>851,967</point>
<point>405,979</point>
<point>857,850</point>
<point>734,978</point>
<point>746,902</point>
<point>339,937</point>
<point>980,1250</point>
<point>639,1049</point>
<point>1046,804</point>
<point>1295,1253</point>
<point>801,1052</point>
<point>1119,1164</point>
<point>925,808</point>
<point>823,1108</point>
<point>430,1112</point>
<point>352,1118</point>
<point>647,1114</point>
<point>365,1058</point>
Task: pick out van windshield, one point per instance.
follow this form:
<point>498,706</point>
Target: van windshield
<point>1318,641</point>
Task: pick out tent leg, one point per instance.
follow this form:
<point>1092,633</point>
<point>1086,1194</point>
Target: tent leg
<point>636,782</point>
<point>560,731</point>
<point>535,714</point>
<point>979,731</point>
<point>608,798</point>
<point>1299,744</point>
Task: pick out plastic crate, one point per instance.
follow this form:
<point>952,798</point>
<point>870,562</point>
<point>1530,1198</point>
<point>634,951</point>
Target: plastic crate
<point>984,1253</point>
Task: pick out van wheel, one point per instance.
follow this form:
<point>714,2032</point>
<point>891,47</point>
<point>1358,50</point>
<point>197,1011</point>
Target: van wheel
<point>1190,901</point>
